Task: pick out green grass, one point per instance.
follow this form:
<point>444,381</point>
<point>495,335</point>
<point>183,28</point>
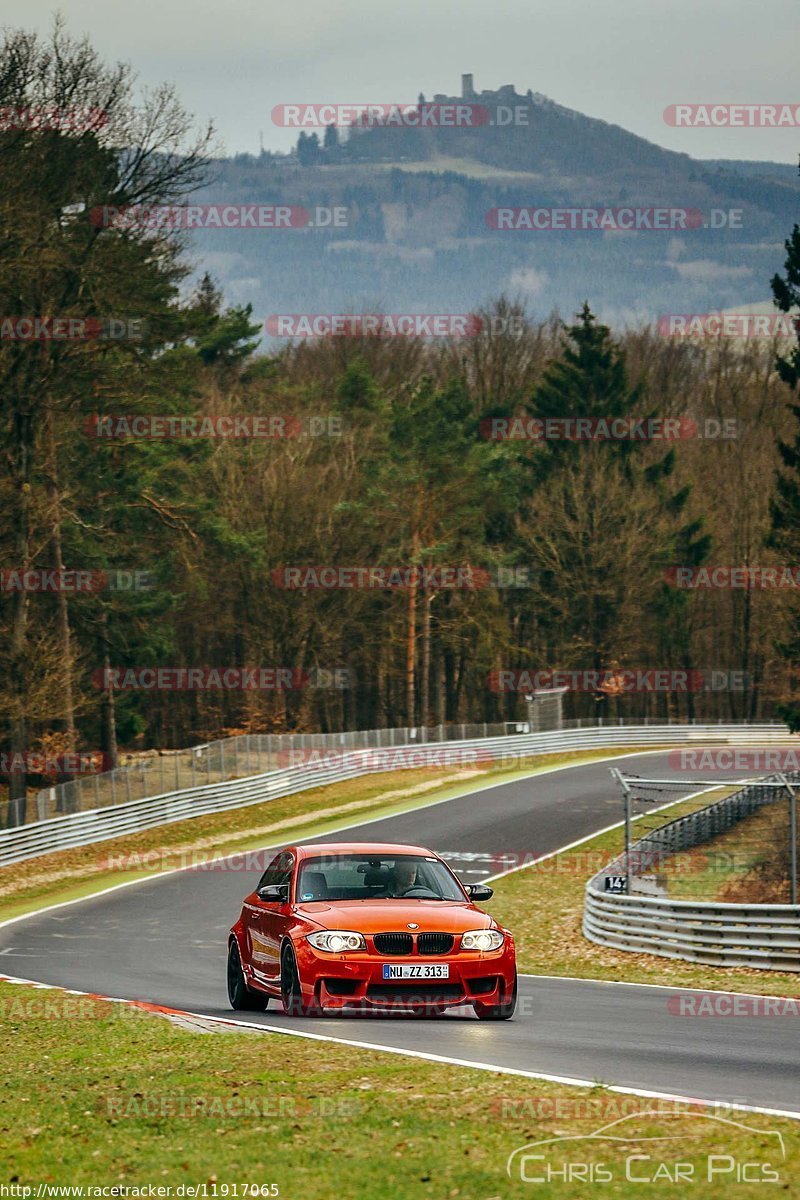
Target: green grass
<point>727,868</point>
<point>106,1095</point>
<point>543,905</point>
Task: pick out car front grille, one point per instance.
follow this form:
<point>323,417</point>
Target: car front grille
<point>416,992</point>
<point>393,943</point>
<point>435,943</point>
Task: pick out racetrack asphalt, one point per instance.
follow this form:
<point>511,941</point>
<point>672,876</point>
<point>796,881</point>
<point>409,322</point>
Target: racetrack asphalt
<point>163,941</point>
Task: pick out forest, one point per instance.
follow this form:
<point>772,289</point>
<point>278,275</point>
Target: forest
<point>202,537</point>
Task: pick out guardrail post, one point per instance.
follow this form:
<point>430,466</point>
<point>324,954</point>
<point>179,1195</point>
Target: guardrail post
<point>792,835</point>
<point>626,792</point>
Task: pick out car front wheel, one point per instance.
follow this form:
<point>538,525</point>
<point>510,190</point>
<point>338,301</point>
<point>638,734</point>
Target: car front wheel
<point>291,992</point>
<point>241,997</point>
<point>498,1012</point>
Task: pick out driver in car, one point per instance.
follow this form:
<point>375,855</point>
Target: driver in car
<point>404,878</point>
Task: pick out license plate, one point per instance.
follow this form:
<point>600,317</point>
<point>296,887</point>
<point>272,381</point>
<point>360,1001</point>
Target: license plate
<point>416,971</point>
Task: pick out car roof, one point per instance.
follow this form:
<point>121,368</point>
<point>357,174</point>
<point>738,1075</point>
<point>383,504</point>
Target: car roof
<point>388,849</point>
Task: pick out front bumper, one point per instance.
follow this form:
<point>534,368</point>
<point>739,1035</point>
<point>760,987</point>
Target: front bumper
<point>355,980</point>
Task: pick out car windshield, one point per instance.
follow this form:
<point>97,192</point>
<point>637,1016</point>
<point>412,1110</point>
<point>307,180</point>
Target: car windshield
<point>376,877</point>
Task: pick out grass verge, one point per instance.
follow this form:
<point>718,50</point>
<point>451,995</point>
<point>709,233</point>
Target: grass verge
<point>119,1097</point>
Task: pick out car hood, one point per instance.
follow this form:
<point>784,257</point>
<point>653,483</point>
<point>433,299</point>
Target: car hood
<point>385,916</point>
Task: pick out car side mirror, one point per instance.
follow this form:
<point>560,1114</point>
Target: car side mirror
<point>479,891</point>
<point>274,893</point>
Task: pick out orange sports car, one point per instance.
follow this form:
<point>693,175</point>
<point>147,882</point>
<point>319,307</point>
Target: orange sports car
<point>368,927</point>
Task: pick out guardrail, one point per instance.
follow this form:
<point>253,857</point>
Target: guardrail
<point>765,936</point>
<point>100,824</point>
<point>160,771</point>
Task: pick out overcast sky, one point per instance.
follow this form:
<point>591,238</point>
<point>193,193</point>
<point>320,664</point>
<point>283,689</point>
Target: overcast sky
<point>621,60</point>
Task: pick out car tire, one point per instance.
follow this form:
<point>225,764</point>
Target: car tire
<point>241,997</point>
<point>291,993</point>
<point>498,1012</point>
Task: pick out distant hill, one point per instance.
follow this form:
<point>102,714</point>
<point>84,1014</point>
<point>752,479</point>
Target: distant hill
<point>417,236</point>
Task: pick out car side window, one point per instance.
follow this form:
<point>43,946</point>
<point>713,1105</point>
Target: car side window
<point>278,872</point>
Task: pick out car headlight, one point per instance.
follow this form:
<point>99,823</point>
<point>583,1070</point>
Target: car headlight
<point>335,941</point>
<point>481,939</point>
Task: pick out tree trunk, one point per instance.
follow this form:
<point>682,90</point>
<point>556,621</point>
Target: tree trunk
<point>109,719</point>
<point>18,781</point>
<point>425,683</point>
<point>411,632</point>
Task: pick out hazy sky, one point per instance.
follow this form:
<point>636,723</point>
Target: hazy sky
<point>621,60</point>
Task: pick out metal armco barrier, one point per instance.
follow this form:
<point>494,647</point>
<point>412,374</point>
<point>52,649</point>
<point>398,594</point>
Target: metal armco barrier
<point>100,824</point>
<point>765,936</point>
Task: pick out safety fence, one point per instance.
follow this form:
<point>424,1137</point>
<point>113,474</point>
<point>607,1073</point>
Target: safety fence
<point>158,772</point>
<point>733,934</point>
<point>314,765</point>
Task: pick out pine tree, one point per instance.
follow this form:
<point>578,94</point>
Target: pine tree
<point>785,536</point>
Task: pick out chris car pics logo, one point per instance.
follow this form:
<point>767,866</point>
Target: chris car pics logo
<point>680,1152</point>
